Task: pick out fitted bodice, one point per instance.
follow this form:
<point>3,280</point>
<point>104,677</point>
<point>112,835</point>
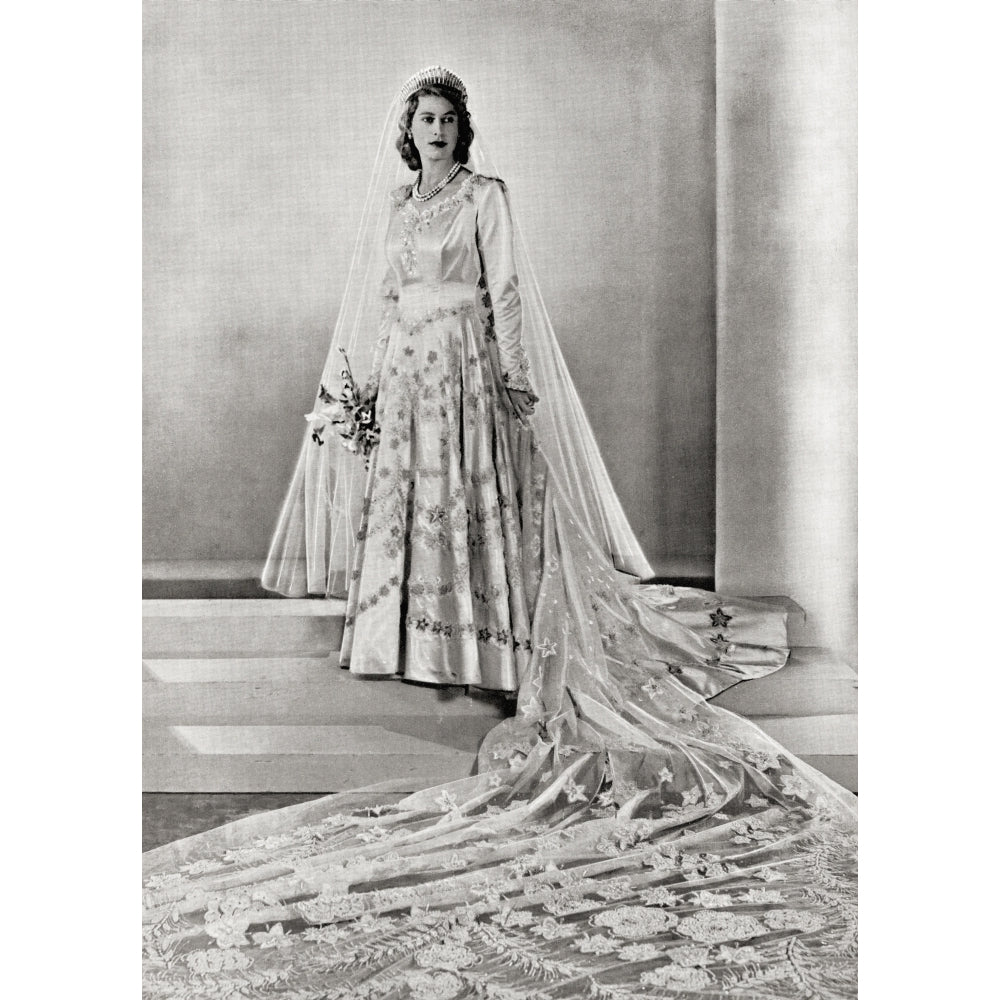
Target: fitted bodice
<point>450,253</point>
<point>436,245</point>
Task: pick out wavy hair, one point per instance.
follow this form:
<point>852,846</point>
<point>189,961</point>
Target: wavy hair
<point>404,141</point>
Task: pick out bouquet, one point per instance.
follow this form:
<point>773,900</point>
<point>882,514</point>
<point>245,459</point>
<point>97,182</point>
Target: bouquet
<point>353,414</point>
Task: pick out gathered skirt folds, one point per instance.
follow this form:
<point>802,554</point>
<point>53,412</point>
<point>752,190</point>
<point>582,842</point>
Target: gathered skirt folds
<point>437,593</point>
<point>622,838</point>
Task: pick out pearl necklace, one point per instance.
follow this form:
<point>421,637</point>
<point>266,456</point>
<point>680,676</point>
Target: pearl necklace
<point>439,187</point>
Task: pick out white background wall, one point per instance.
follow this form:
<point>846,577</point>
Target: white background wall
<point>261,124</point>
<point>787,344</point>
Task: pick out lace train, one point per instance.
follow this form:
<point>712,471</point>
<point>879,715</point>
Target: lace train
<point>622,838</point>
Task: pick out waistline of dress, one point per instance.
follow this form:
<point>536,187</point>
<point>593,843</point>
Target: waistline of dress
<point>420,301</point>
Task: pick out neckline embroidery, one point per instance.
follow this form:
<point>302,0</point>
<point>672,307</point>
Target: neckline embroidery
<point>464,193</point>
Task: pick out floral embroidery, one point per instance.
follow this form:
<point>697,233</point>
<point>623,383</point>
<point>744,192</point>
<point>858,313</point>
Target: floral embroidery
<point>598,944</point>
<point>738,956</point>
<point>519,374</point>
<point>434,985</point>
<point>273,938</point>
<point>794,784</point>
<point>745,832</point>
<point>793,920</point>
<point>447,955</point>
<point>635,921</point>
<point>639,952</point>
<point>763,760</point>
<point>689,955</point>
<point>660,896</point>
<point>761,896</point>
<point>614,888</point>
<point>415,220</point>
<point>551,930</point>
<point>206,963</point>
<point>414,327</point>
<point>716,926</point>
<point>676,976</point>
<point>712,900</point>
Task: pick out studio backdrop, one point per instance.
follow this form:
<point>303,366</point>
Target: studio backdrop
<point>261,125</point>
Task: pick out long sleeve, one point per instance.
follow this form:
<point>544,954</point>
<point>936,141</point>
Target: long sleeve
<point>390,309</point>
<point>496,248</point>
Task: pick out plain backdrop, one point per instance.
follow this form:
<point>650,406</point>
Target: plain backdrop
<point>261,122</point>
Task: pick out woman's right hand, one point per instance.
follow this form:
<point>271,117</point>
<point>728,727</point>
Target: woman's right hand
<point>523,403</point>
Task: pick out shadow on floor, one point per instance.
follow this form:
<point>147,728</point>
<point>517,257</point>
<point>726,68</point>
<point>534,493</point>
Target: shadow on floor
<point>168,816</point>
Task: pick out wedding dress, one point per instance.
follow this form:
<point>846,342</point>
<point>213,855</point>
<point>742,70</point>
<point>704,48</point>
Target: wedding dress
<point>622,837</point>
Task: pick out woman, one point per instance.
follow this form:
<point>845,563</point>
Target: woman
<point>621,834</point>
<point>437,593</point>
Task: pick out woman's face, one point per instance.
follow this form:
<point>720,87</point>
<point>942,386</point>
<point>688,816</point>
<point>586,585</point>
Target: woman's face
<point>435,128</point>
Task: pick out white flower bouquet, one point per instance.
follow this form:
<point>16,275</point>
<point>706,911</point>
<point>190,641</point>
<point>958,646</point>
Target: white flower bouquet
<point>352,414</point>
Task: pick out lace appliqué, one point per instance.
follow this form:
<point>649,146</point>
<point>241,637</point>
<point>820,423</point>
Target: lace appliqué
<point>519,377</point>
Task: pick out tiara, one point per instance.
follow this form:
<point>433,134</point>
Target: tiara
<point>433,74</point>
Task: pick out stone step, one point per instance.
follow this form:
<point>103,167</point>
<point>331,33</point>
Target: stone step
<point>302,758</point>
<point>831,735</point>
<point>177,579</point>
<point>241,628</point>
<point>338,695</point>
<point>181,628</point>
<point>298,772</point>
<point>814,681</point>
<point>800,631</point>
<point>842,768</point>
<point>339,758</point>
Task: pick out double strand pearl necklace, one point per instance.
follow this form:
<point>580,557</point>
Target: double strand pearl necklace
<point>439,187</point>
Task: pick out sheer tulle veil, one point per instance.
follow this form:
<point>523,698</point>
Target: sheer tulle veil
<point>313,544</point>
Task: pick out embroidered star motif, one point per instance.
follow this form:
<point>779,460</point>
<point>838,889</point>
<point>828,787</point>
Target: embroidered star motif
<point>446,801</point>
<point>665,774</point>
<point>718,640</point>
<point>719,618</point>
<point>436,515</point>
<point>547,648</point>
<point>495,781</point>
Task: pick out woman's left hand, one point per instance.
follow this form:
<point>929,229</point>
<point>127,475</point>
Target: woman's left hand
<point>523,403</point>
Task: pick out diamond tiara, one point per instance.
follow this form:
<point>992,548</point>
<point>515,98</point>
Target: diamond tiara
<point>433,74</point>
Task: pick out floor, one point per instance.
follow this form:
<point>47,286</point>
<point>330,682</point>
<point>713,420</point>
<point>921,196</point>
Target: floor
<point>168,816</point>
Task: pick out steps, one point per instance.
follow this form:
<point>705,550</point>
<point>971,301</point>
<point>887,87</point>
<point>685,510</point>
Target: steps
<point>219,579</point>
<point>241,628</point>
<point>244,696</point>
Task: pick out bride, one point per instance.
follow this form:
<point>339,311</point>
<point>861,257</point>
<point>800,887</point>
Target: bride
<point>622,837</point>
